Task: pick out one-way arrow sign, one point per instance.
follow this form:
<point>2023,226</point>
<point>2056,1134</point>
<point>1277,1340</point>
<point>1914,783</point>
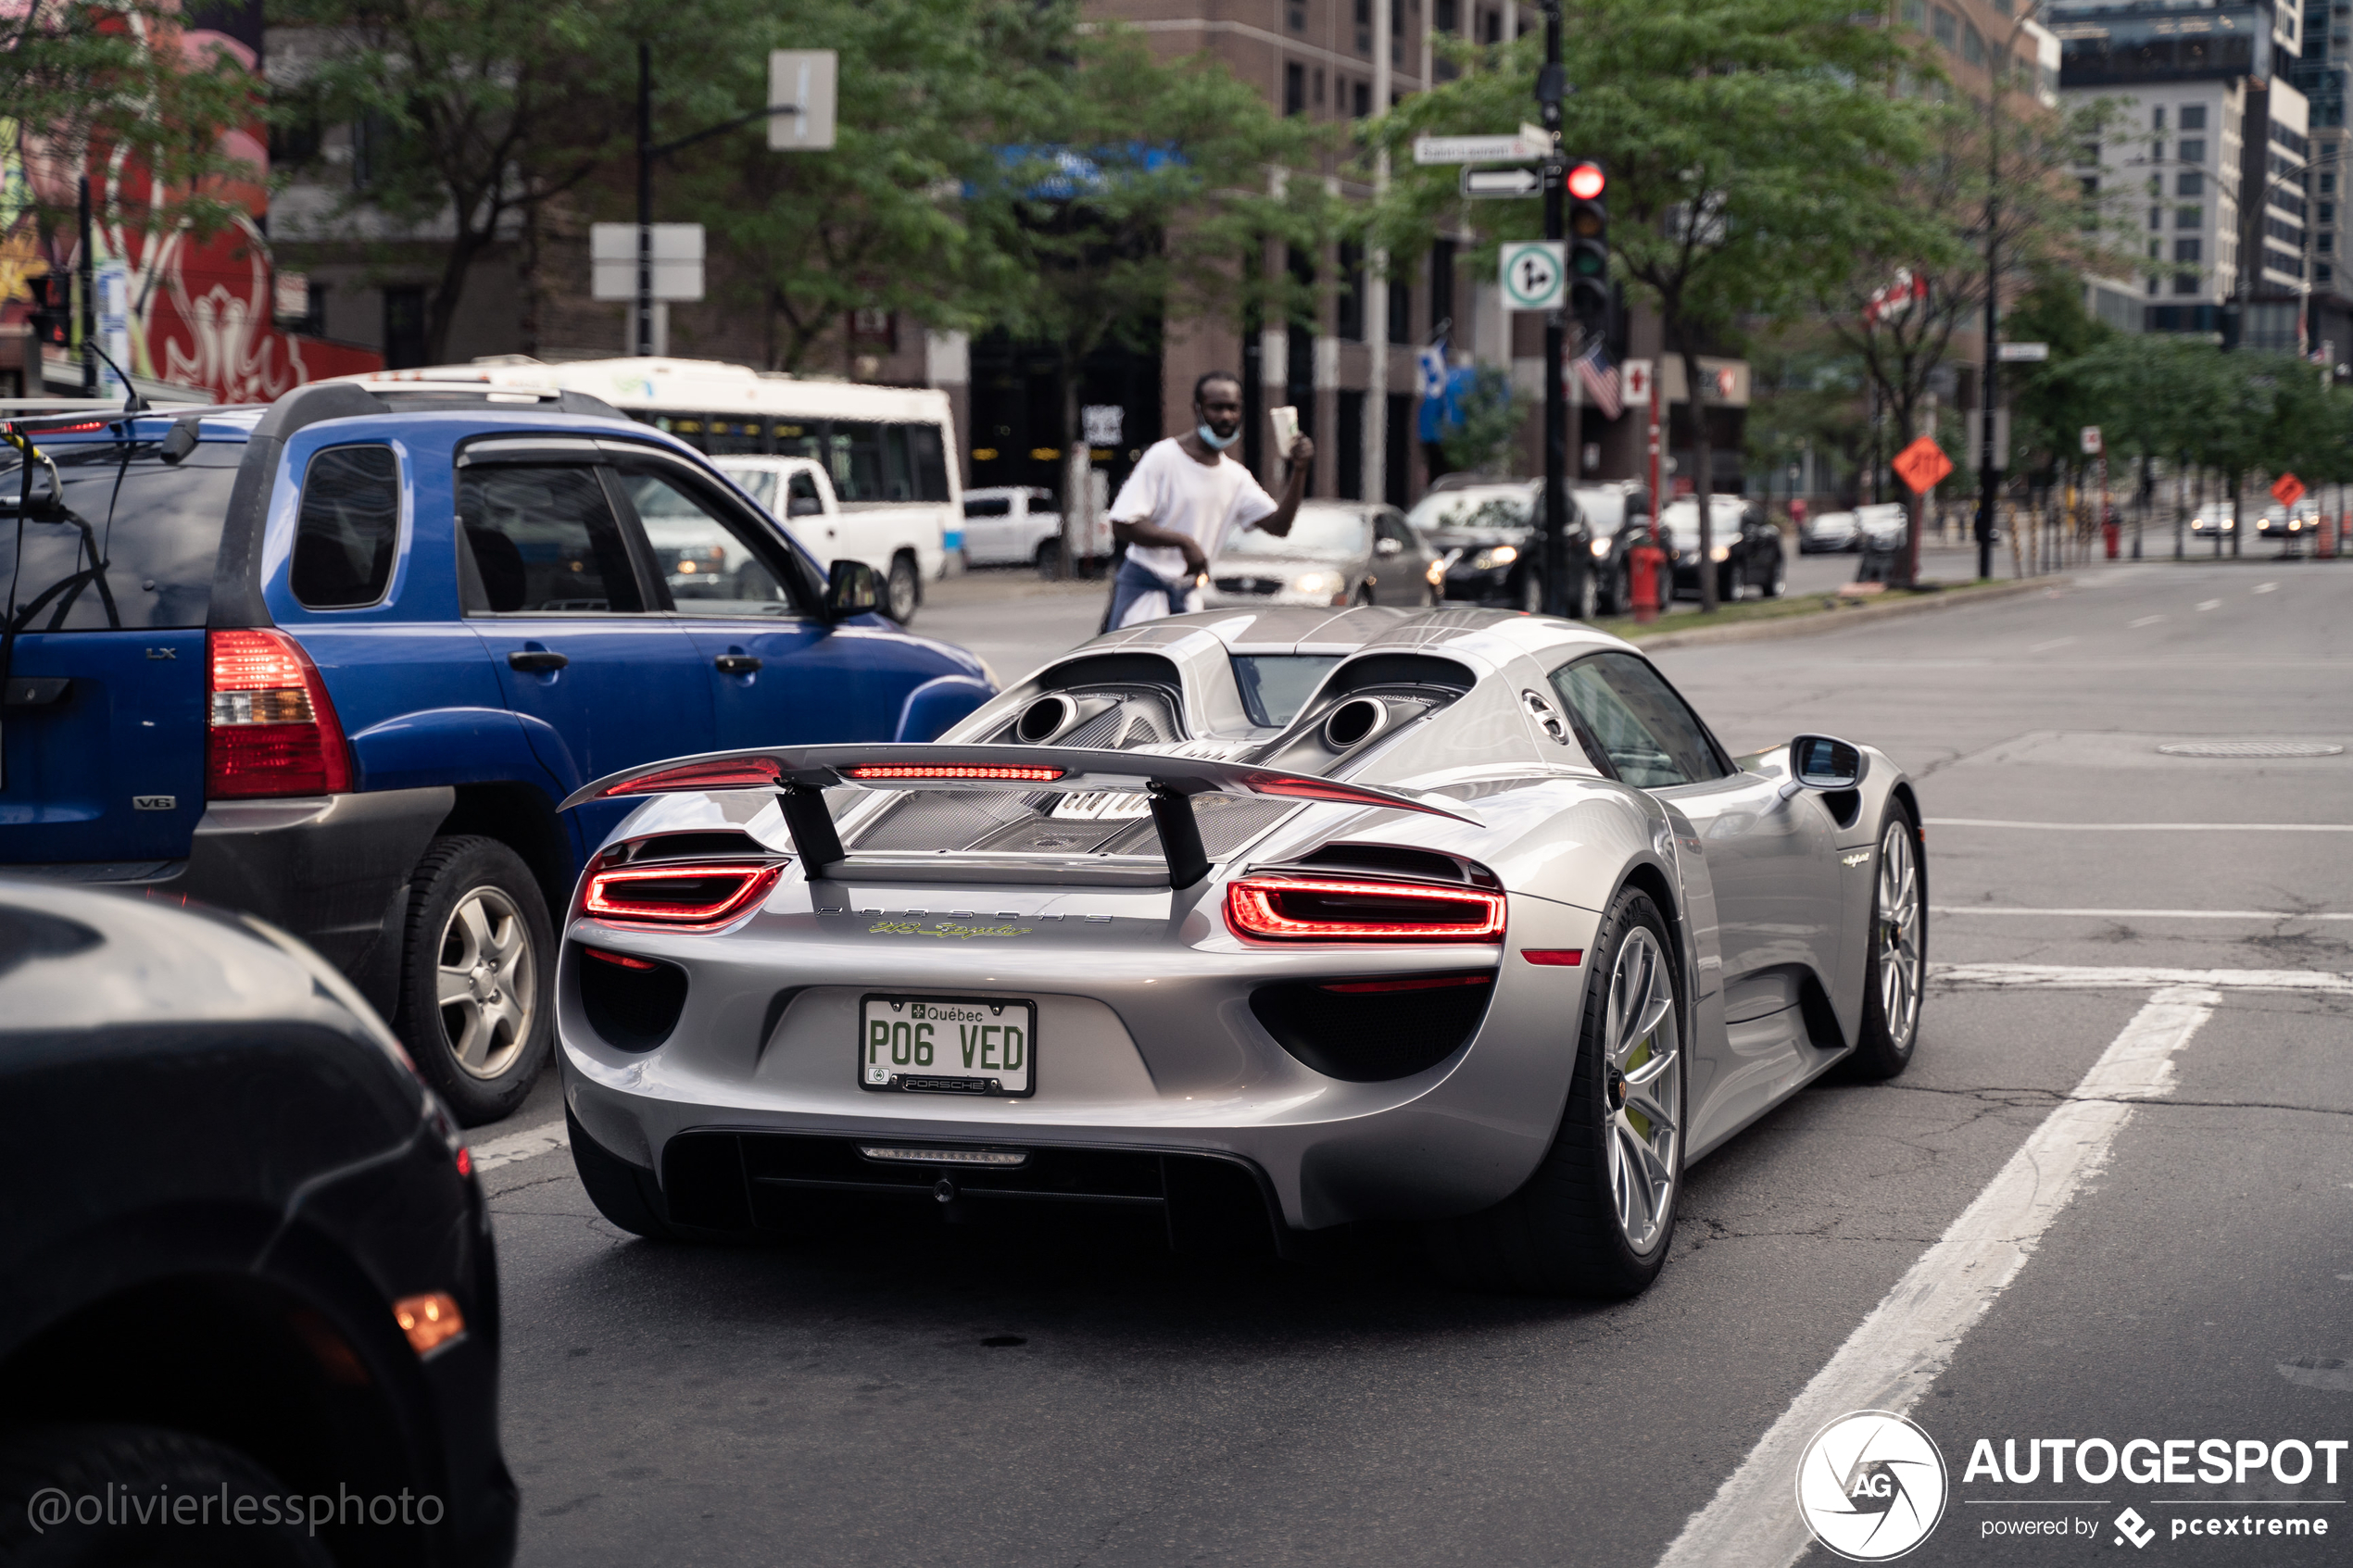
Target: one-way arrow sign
<point>1494,182</point>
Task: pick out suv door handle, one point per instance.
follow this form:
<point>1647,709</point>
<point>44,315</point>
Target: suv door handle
<point>537,660</point>
<point>735,664</point>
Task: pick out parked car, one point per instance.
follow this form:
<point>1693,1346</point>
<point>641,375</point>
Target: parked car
<point>899,542</point>
<point>1616,519</point>
<point>1337,553</point>
<point>1829,532</point>
<point>246,1257</point>
<point>1490,548</point>
<point>1006,525</point>
<point>1881,524</point>
<point>1745,550</point>
<point>338,658</point>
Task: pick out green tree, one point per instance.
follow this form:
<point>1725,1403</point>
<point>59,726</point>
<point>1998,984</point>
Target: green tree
<point>1751,147</point>
<point>1122,214</point>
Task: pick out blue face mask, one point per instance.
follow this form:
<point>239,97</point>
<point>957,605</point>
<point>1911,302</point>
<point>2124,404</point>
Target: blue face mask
<point>1216,443</point>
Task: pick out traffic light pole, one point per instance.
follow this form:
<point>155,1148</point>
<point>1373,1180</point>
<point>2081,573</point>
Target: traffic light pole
<point>1549,87</point>
<point>85,309</point>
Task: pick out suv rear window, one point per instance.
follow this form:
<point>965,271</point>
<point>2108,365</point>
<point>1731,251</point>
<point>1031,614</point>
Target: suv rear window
<point>129,546</point>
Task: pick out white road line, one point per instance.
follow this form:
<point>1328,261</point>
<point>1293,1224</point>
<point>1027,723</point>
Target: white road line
<point>1889,1362</point>
<point>2263,588</point>
<point>513,1147</point>
<point>2143,620</point>
<point>2072,977</point>
<point>2054,643</point>
<point>2211,604</point>
<point>2135,914</point>
<point>2140,827</point>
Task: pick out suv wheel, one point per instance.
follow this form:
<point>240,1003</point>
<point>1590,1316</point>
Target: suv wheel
<point>478,977</point>
<point>902,589</point>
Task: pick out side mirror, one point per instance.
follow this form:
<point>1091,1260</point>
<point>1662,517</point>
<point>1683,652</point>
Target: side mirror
<point>851,591</point>
<point>804,506</point>
<point>1388,546</point>
<point>1822,762</point>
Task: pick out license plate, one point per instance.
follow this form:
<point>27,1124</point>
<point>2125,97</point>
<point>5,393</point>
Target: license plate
<point>947,1045</point>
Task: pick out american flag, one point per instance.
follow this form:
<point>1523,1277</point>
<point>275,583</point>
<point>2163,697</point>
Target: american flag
<point>1601,382</point>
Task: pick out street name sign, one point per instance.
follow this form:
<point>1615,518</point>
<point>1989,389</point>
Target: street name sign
<point>1491,184</point>
<point>1534,274</point>
<point>677,260</point>
<point>2022,353</point>
<point>1529,142</point>
<point>1922,465</point>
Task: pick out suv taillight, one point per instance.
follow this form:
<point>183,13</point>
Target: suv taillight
<point>271,729</point>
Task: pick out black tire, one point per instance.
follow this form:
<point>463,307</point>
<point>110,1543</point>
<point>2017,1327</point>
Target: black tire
<point>1777,584</point>
<point>1364,595</point>
<point>1611,590</point>
<point>1531,592</point>
<point>1559,1235</point>
<point>902,589</point>
<point>1589,595</point>
<point>1886,1044</point>
<point>510,1051</point>
<point>622,1193</point>
<point>1050,552</point>
<point>143,1464</point>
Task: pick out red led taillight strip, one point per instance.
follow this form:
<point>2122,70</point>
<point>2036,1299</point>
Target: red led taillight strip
<point>954,771</point>
<point>1313,909</point>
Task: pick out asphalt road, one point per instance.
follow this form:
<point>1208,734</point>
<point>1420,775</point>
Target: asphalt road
<point>2007,1248</point>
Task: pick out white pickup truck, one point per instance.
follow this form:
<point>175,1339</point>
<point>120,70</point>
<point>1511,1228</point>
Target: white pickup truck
<point>1013,525</point>
<point>904,542</point>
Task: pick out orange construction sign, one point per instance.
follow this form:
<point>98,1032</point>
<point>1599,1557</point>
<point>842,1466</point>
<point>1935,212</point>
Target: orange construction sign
<point>2287,490</point>
<point>1922,464</point>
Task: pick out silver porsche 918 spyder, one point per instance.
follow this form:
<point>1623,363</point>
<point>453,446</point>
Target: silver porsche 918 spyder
<point>1254,924</point>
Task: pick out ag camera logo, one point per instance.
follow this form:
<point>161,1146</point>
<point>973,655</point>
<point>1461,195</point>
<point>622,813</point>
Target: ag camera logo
<point>1871,1486</point>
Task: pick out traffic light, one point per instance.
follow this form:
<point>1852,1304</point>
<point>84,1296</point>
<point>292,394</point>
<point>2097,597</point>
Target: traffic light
<point>1587,243</point>
<point>51,317</point>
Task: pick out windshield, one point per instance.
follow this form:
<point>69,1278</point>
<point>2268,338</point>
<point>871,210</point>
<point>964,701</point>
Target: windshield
<point>1315,534</point>
<point>1492,505</point>
<point>1275,685</point>
<point>133,545</point>
<point>1680,519</point>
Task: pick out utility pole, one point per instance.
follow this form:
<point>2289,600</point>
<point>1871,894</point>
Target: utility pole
<point>1550,85</point>
<point>645,304</point>
<point>86,279</point>
<point>1376,316</point>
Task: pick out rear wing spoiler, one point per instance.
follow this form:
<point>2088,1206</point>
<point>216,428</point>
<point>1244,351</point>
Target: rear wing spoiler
<point>801,776</point>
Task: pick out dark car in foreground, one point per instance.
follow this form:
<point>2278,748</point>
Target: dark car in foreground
<point>335,661</point>
<point>245,1258</point>
<point>1485,534</point>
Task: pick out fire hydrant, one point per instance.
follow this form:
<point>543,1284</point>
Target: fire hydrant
<point>1643,565</point>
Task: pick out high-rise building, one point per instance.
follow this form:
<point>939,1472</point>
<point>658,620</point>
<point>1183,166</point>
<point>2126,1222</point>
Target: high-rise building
<point>2213,158</point>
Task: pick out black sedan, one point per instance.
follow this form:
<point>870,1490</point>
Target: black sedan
<point>1490,553</point>
<point>1745,549</point>
<point>248,1312</point>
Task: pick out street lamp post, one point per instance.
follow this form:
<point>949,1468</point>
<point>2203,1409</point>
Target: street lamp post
<point>1550,85</point>
<point>1988,475</point>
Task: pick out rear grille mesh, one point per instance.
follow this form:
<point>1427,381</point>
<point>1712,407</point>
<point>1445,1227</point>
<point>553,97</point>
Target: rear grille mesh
<point>724,1181</point>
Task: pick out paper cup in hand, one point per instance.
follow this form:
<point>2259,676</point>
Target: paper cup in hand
<point>1286,424</point>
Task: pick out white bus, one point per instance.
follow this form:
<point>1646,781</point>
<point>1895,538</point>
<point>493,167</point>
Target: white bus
<point>888,450</point>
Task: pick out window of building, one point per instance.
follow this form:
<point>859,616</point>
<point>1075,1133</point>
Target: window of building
<point>2090,187</point>
<point>2157,284</point>
<point>2324,242</point>
<point>2187,250</point>
<point>405,328</point>
<point>2192,149</point>
<point>2087,152</point>
<point>2156,217</point>
<point>2189,184</point>
<point>1397,30</point>
<point>1348,316</point>
<point>2157,152</point>
<point>1491,29</point>
<point>1946,27</point>
<point>1916,13</point>
<point>2328,184</point>
<point>2193,117</point>
<point>1294,88</point>
<point>2328,212</point>
<point>2156,117</point>
<point>2325,275</point>
<point>1972,46</point>
<point>1319,87</point>
<point>1365,27</point>
<point>1364,99</point>
<point>1295,15</point>
<point>2185,283</point>
<point>2189,217</point>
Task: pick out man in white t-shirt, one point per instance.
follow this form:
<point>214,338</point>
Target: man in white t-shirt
<point>1184,498</point>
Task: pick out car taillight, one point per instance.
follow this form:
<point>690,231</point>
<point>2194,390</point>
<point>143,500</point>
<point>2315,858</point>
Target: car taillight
<point>1319,909</point>
<point>680,896</point>
<point>270,730</point>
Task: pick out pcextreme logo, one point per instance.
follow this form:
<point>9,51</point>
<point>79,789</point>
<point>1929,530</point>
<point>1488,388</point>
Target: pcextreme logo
<point>1871,1486</point>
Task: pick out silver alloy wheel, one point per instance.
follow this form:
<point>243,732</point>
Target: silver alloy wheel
<point>1642,1085</point>
<point>900,590</point>
<point>1780,577</point>
<point>1896,932</point>
<point>487,982</point>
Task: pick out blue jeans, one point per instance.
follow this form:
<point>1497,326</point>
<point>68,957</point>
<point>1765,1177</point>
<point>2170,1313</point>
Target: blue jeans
<point>1133,583</point>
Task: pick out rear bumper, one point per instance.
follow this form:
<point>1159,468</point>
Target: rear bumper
<point>330,868</point>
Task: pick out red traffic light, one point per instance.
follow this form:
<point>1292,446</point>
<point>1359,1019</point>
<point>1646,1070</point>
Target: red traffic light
<point>1585,181</point>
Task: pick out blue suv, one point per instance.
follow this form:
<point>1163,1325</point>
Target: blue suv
<point>334,662</point>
